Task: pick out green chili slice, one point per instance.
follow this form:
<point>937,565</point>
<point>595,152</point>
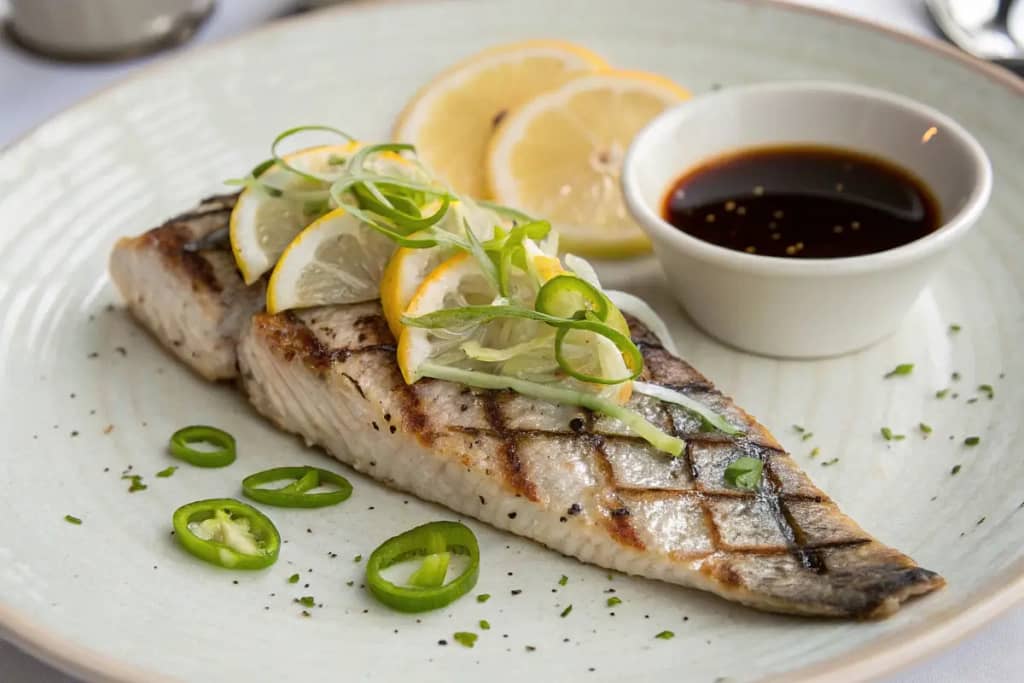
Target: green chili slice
<point>227,533</point>
<point>297,493</point>
<point>183,439</point>
<point>429,539</point>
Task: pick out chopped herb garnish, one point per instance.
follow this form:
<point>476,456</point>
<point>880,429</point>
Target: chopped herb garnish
<point>665,635</point>
<point>955,376</point>
<point>955,470</point>
<point>306,601</point>
<point>980,521</point>
<point>465,638</point>
<point>829,463</point>
<point>566,612</point>
<point>167,472</point>
<point>294,578</point>
<point>926,429</point>
<point>530,648</point>
<point>954,328</point>
<point>901,369</point>
<point>483,597</point>
<point>136,482</point>
<point>941,393</point>
<point>564,580</point>
<point>485,625</point>
<point>972,441</point>
<point>357,558</point>
<point>799,429</point>
<point>614,600</point>
<point>807,435</point>
<point>987,389</point>
<point>71,519</point>
<point>815,452</point>
<point>744,473</point>
<point>888,435</point>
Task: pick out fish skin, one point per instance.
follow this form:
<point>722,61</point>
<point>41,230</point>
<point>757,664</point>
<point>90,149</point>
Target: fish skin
<point>575,481</point>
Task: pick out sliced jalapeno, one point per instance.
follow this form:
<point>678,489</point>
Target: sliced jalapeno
<point>297,494</point>
<point>433,539</point>
<point>183,440</point>
<point>227,533</point>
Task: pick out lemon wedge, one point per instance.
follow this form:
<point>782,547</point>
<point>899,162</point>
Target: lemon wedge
<point>560,156</point>
<point>336,260</point>
<point>451,119</point>
<point>263,224</point>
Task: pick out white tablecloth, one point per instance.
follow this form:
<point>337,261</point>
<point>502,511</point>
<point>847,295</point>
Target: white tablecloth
<point>32,90</point>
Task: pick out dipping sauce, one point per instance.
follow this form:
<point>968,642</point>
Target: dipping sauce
<point>802,202</point>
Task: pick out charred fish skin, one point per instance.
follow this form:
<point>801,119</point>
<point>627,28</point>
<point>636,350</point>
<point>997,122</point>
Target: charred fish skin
<point>180,281</point>
<point>577,482</point>
<point>574,481</point>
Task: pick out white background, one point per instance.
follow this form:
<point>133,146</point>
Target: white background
<point>32,90</point>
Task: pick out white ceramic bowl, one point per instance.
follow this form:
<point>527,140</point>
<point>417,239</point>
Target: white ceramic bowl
<point>803,308</point>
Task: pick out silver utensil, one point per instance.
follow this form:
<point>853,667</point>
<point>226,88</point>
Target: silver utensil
<point>992,30</point>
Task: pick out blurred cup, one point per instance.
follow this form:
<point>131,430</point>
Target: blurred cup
<point>103,29</point>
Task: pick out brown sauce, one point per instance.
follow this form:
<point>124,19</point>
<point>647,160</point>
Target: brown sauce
<point>802,202</point>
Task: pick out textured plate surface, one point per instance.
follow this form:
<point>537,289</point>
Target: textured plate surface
<point>87,394</point>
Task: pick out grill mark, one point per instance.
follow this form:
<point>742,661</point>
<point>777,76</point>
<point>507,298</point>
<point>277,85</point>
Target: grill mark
<point>617,522</point>
<point>808,556</point>
<point>414,419</point>
<point>222,203</point>
<point>515,472</point>
<point>169,240</point>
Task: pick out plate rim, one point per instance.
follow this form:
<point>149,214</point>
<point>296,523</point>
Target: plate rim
<point>867,662</point>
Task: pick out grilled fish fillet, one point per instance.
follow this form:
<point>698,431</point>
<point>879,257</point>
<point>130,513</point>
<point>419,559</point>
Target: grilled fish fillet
<point>573,480</point>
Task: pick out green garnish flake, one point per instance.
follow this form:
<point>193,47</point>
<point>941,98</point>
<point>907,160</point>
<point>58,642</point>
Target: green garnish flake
<point>483,597</point>
<point>829,463</point>
<point>799,429</point>
<point>485,625</point>
<point>899,370</point>
<point>167,472</point>
<point>815,452</point>
<point>941,393</point>
<point>136,482</point>
<point>566,612</point>
<point>744,473</point>
<point>531,648</point>
<point>954,328</point>
<point>972,441</point>
<point>955,376</point>
<point>71,519</point>
<point>926,429</point>
<point>806,435</point>
<point>987,389</point>
<point>665,635</point>
<point>357,558</point>
<point>888,435</point>
<point>955,470</point>
<point>306,601</point>
<point>614,600</point>
<point>465,638</point>
<point>294,578</point>
<point>564,580</point>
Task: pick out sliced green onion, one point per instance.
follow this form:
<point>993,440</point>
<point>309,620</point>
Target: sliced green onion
<point>696,407</point>
<point>182,440</point>
<point>280,160</point>
<point>635,421</point>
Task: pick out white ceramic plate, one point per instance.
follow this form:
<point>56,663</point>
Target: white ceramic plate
<point>116,599</point>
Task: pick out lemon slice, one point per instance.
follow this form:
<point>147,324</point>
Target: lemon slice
<point>336,260</point>
<point>262,225</point>
<point>560,156</point>
<point>451,119</point>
